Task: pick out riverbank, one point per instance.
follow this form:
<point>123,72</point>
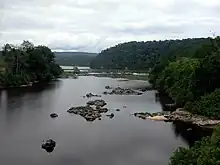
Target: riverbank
<point>30,84</point>
<point>182,116</point>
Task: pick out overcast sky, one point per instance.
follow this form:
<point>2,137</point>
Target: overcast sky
<point>92,25</point>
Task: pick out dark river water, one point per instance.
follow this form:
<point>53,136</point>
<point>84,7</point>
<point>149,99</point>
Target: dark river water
<point>123,140</point>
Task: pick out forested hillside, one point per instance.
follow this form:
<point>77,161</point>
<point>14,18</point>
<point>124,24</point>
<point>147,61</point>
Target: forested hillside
<point>74,58</point>
<point>193,82</point>
<point>27,63</point>
<point>143,55</point>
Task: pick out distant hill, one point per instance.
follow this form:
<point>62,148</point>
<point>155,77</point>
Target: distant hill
<point>144,55</point>
<point>74,58</point>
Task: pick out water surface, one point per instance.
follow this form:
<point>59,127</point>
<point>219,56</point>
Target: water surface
<point>123,140</point>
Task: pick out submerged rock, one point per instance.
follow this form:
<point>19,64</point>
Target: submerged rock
<point>53,115</point>
<point>49,145</point>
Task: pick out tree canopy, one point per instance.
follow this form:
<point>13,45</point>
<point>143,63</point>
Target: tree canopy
<point>144,55</point>
<point>204,152</point>
<point>27,63</point>
<point>192,81</point>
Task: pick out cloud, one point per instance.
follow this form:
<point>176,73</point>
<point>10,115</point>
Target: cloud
<point>92,25</point>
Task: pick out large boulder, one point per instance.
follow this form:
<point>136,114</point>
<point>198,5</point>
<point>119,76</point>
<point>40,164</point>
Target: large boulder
<point>53,115</point>
<point>49,145</point>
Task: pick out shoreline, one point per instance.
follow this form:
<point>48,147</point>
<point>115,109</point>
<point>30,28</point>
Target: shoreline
<point>30,84</point>
<point>181,116</point>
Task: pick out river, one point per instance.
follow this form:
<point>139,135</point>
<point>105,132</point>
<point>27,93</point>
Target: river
<point>123,140</point>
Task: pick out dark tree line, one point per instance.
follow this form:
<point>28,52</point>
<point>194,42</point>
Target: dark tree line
<point>74,58</point>
<point>143,55</point>
<point>27,63</point>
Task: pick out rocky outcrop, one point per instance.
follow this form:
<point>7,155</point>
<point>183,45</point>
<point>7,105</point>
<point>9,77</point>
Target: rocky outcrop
<point>180,115</point>
<point>100,103</point>
<point>123,91</point>
<point>187,117</point>
<point>49,145</point>
<point>91,111</point>
<point>92,95</point>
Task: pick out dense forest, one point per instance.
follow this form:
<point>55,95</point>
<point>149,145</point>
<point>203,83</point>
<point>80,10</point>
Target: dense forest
<point>27,63</point>
<point>143,55</point>
<point>193,82</point>
<point>74,58</point>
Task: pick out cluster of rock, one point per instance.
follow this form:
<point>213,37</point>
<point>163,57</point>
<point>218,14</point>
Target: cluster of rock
<point>49,145</point>
<point>180,115</point>
<point>187,117</point>
<point>92,95</point>
<point>91,111</point>
<point>100,103</point>
<point>122,91</point>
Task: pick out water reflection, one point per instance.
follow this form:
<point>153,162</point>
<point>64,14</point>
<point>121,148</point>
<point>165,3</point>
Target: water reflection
<point>190,133</point>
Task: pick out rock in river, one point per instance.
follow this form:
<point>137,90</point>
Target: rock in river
<point>92,95</point>
<point>180,115</point>
<point>53,115</point>
<point>111,115</point>
<point>108,87</point>
<point>100,103</point>
<point>123,91</point>
<point>90,112</point>
<point>49,145</point>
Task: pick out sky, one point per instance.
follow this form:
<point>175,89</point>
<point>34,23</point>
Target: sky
<point>93,25</point>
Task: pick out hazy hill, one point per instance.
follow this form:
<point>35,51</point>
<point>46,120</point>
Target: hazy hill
<point>144,55</point>
<point>74,58</point>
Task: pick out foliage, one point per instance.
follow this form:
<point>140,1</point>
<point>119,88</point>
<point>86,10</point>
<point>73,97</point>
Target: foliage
<point>187,79</point>
<point>177,79</point>
<point>144,55</point>
<point>27,63</point>
<point>204,152</point>
<point>208,105</point>
<point>74,58</point>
